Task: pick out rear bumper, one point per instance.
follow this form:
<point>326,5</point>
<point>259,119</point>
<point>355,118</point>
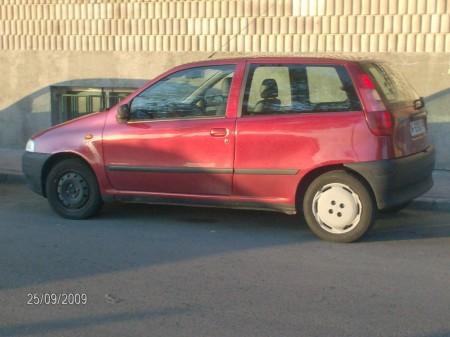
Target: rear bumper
<point>32,164</point>
<point>397,181</point>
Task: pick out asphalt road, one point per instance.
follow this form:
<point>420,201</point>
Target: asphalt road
<point>174,271</point>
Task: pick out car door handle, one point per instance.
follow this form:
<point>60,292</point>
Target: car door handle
<point>219,132</point>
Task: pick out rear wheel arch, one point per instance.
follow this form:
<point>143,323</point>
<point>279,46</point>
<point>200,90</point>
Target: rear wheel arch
<point>55,159</point>
<point>309,177</point>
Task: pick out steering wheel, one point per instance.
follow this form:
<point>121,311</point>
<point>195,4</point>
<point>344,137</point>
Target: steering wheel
<point>199,103</point>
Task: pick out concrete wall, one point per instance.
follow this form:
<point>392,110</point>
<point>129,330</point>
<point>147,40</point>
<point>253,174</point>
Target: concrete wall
<point>49,42</point>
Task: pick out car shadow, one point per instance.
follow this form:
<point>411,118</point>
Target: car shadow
<point>37,246</point>
<point>408,224</point>
<point>44,327</point>
<point>236,219</point>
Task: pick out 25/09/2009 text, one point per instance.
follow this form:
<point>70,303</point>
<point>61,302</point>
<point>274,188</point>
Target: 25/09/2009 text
<point>56,298</point>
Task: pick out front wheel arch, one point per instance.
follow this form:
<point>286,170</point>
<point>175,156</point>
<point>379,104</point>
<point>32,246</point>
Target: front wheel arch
<point>72,189</point>
<point>55,159</point>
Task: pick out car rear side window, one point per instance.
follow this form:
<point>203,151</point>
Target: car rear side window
<point>297,88</point>
<point>391,85</point>
<point>325,85</point>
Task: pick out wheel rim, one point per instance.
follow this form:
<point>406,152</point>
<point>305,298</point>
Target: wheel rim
<point>73,190</point>
<point>337,208</point>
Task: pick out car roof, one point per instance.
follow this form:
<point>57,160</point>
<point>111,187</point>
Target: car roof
<point>280,59</point>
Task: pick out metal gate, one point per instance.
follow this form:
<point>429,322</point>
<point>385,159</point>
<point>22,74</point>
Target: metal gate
<point>76,102</point>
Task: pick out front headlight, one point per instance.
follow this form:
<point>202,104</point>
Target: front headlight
<point>30,146</point>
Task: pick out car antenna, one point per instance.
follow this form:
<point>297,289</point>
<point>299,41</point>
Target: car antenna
<point>231,38</point>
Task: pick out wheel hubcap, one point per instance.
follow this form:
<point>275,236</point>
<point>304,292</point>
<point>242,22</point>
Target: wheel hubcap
<point>73,190</point>
<point>337,208</point>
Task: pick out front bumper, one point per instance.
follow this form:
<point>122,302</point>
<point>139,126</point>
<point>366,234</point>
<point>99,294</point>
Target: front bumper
<point>32,165</point>
<point>397,181</point>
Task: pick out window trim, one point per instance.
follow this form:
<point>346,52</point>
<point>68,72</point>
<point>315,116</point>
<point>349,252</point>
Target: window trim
<point>289,63</point>
<point>247,66</point>
<point>247,79</point>
<point>139,121</point>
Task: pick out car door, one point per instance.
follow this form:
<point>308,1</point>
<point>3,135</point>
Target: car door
<point>293,117</point>
<point>180,139</point>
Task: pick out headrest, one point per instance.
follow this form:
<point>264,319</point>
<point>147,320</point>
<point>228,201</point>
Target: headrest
<point>269,88</point>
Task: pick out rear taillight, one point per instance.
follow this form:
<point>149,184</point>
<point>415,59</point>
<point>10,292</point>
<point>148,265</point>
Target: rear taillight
<point>380,122</point>
<point>379,119</point>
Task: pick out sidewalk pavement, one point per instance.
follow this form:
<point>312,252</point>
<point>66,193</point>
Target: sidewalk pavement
<point>10,162</point>
<point>438,198</point>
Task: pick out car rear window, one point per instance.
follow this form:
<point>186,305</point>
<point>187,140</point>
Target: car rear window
<point>392,86</point>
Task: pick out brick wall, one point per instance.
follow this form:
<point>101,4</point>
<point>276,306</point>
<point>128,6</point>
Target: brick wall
<point>227,26</point>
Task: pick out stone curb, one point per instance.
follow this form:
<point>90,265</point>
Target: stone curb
<point>431,204</point>
<point>12,177</point>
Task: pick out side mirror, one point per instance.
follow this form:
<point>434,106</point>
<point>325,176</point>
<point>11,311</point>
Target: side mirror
<point>123,113</point>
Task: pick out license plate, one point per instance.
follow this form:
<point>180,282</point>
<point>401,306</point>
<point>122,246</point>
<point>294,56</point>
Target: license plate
<point>417,127</point>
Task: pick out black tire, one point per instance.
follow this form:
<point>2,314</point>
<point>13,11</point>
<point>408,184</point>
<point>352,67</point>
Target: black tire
<point>363,206</point>
<point>395,209</point>
<point>79,201</point>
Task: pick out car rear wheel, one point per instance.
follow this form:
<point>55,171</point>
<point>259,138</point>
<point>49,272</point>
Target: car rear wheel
<point>338,207</point>
<point>72,190</point>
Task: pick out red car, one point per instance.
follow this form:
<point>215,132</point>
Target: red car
<point>335,139</point>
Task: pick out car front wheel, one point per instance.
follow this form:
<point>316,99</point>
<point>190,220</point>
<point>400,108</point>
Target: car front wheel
<point>72,190</point>
<point>338,207</point>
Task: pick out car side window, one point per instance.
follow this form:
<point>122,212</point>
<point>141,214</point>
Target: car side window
<point>268,89</point>
<point>324,85</point>
<point>194,92</point>
<point>330,89</point>
<point>296,88</point>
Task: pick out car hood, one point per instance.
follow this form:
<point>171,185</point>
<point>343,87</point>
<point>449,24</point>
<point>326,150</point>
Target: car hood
<point>89,119</point>
<point>77,135</point>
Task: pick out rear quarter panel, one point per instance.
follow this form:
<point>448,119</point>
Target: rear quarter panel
<point>299,141</point>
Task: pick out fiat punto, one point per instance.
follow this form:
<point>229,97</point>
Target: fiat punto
<point>337,140</point>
